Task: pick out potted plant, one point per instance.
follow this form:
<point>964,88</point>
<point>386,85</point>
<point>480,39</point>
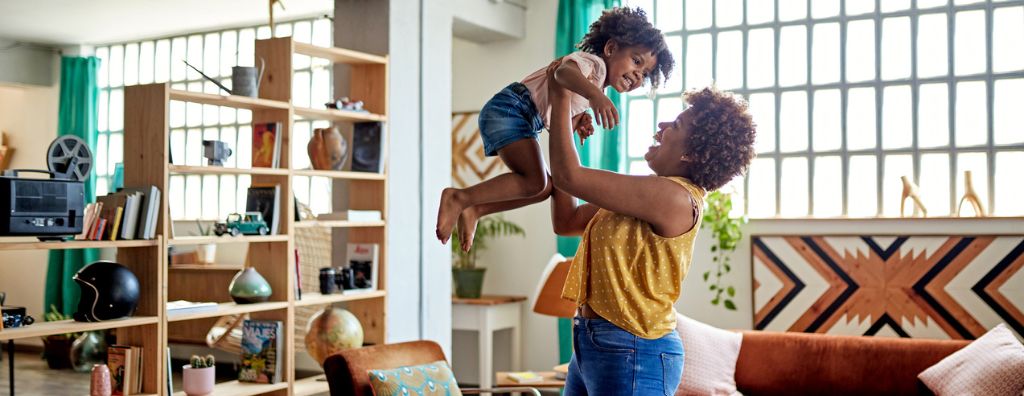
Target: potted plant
<point>726,234</point>
<point>198,376</point>
<point>468,278</point>
<point>206,253</point>
<point>57,347</point>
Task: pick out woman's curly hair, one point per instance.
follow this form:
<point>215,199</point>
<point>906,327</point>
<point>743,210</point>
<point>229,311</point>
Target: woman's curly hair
<point>629,27</point>
<point>721,142</point>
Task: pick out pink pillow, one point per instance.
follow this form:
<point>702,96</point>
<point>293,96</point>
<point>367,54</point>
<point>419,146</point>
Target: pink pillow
<point>709,358</point>
<point>992,365</point>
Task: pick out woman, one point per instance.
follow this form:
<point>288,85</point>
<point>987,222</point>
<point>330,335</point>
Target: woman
<point>638,234</point>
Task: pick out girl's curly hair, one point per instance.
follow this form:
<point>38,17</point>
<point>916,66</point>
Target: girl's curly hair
<point>721,142</point>
<point>629,27</point>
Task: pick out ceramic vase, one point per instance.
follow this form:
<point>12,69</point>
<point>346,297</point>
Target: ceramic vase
<point>99,384</point>
<point>197,381</point>
<point>327,149</point>
<point>88,350</point>
<point>248,287</point>
<point>468,282</point>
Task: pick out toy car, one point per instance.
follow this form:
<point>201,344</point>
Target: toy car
<point>250,224</point>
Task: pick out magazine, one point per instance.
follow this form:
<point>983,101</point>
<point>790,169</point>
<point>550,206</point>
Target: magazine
<point>261,344</point>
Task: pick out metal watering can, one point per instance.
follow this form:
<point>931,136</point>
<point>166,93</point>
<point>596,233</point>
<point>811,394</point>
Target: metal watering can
<point>245,81</point>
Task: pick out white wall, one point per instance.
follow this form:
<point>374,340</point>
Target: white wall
<point>513,265</point>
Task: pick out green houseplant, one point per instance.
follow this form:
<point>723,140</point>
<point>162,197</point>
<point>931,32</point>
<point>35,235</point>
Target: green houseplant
<point>726,233</point>
<point>468,278</point>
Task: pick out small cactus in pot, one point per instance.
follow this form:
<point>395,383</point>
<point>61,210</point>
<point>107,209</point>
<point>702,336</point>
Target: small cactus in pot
<point>198,376</point>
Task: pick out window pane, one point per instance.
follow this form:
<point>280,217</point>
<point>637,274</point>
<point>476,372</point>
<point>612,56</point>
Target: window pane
<point>178,146</point>
<point>176,197</point>
<point>932,58</point>
<point>116,69</point>
<point>933,115</point>
<point>675,80</point>
<point>669,109</point>
<point>728,12</point>
<point>177,54</point>
<point>101,119</point>
<point>227,197</point>
<point>762,108</point>
<point>921,4</point>
<point>862,193</point>
<point>977,164</point>
<point>935,183</point>
<point>896,166</point>
<point>1007,31</point>
<point>244,152</point>
<point>641,126</point>
<point>895,5</point>
<point>300,138</point>
<point>856,7</point>
<point>193,114</point>
<point>760,11</point>
<point>640,168</point>
<point>827,121</point>
<point>321,88</point>
<point>794,195</point>
<point>146,62</point>
<point>860,119</point>
<point>970,42</point>
<point>1009,100</point>
<point>302,32</point>
<point>230,136</point>
<point>227,115</point>
<point>194,147</point>
<point>971,115</point>
<point>228,47</point>
<point>735,188</point>
<point>162,63</point>
<point>895,48</point>
<point>828,189</point>
<point>1009,189</point>
<point>131,64</point>
<point>210,198</point>
<point>101,152</point>
<point>793,122</point>
<point>670,15</point>
<point>103,53</point>
<point>761,58</point>
<point>960,2</point>
<point>246,47</point>
<point>193,199</point>
<point>177,116</point>
<point>793,56</point>
<point>322,32</point>
<point>824,9</point>
<point>762,188</point>
<point>860,50</point>
<point>791,10</point>
<point>116,120</point>
<point>897,129</point>
<point>698,13</point>
<point>698,61</point>
<point>730,60</point>
<point>300,89</point>
<point>825,53</point>
<point>194,50</point>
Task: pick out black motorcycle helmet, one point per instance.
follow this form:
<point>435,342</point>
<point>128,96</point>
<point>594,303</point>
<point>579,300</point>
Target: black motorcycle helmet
<point>109,291</point>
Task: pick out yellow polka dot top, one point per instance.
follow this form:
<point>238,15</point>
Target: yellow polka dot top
<point>630,275</point>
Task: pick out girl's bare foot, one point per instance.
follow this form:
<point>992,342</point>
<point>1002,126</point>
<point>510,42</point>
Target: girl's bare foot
<point>448,213</point>
<point>467,227</point>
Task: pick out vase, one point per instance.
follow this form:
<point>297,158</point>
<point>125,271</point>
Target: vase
<point>99,384</point>
<point>197,381</point>
<point>89,349</point>
<point>468,282</point>
<point>248,287</point>
<point>57,351</point>
<point>327,149</point>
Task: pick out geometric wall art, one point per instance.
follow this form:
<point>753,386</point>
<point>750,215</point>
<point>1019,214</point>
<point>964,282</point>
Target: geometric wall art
<point>942,287</point>
<point>469,164</point>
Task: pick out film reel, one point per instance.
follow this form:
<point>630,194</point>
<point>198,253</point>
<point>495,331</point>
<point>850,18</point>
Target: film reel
<point>69,156</point>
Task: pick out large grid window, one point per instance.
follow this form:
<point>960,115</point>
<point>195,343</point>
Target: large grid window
<point>143,62</point>
<point>850,95</point>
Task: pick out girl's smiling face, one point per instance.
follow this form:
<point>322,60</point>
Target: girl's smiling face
<point>628,67</point>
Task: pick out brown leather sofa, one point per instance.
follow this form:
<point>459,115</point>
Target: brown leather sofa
<point>773,363</point>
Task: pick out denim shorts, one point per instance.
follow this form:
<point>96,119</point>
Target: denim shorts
<point>608,360</point>
<point>509,116</point>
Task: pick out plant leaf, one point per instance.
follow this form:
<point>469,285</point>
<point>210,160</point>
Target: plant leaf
<point>729,305</point>
<point>731,290</point>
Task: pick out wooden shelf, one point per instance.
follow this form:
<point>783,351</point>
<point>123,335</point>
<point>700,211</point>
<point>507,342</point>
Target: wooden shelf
<point>337,115</point>
<point>202,240</point>
<point>235,388</point>
<point>313,298</point>
<point>220,170</point>
<point>339,55</point>
<point>205,267</point>
<point>238,102</point>
<point>41,328</point>
<point>337,224</point>
<point>35,244</point>
<point>227,309</point>
<point>340,174</point>
<point>311,386</point>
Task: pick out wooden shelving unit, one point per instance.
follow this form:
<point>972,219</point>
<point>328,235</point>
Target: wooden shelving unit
<point>146,162</point>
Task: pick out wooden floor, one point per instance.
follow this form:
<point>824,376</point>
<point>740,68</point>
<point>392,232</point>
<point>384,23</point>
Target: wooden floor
<point>32,377</point>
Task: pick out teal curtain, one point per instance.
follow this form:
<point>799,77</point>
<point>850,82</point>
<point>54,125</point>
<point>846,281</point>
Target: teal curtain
<point>79,97</point>
<point>604,149</point>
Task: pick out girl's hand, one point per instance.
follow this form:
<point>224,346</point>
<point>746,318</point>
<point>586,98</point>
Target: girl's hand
<point>583,125</point>
<point>606,113</point>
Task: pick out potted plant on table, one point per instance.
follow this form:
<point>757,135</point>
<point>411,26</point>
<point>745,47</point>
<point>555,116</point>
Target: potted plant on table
<point>57,347</point>
<point>198,376</point>
<point>206,253</point>
<point>469,278</point>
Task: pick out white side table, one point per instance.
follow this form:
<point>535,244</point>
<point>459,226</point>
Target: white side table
<point>486,315</point>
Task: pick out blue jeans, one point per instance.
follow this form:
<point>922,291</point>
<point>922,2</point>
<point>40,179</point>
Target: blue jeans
<point>608,360</point>
<point>508,117</point>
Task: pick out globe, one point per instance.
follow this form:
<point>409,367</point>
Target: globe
<point>332,330</point>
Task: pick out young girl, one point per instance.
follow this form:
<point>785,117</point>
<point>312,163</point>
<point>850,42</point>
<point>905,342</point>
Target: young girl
<point>622,50</point>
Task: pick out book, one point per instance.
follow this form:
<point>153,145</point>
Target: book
<point>118,215</point>
<point>97,231</point>
<point>368,147</point>
<point>298,277</point>
<point>119,358</point>
<point>266,144</point>
<point>88,220</point>
<point>135,380</point>
<point>352,215</point>
<point>362,258</point>
<point>261,344</point>
<point>182,306</point>
<point>148,202</point>
<point>111,204</point>
<point>525,377</point>
<point>170,378</point>
<point>131,215</point>
<point>264,199</point>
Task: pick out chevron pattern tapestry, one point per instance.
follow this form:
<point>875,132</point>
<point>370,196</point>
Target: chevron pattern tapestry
<point>469,165</point>
<point>943,287</point>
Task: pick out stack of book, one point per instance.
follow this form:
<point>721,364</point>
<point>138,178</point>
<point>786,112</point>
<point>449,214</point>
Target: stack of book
<point>130,213</point>
<point>125,363</point>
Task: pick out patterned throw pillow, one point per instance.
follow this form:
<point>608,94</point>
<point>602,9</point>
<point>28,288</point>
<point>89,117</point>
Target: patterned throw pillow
<point>709,364</point>
<point>992,365</point>
<point>434,379</point>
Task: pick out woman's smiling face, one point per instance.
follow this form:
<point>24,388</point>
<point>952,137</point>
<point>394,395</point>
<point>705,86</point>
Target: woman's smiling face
<point>670,143</point>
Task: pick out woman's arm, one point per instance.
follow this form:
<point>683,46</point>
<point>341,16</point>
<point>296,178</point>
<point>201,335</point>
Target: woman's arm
<point>658,201</point>
<point>568,218</point>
